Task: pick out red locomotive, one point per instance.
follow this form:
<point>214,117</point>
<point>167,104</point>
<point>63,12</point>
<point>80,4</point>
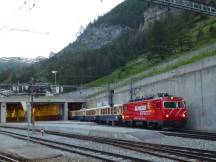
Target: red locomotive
<point>158,111</point>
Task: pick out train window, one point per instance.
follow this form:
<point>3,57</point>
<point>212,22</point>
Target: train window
<point>115,110</point>
<point>180,105</point>
<point>170,105</point>
<point>109,111</point>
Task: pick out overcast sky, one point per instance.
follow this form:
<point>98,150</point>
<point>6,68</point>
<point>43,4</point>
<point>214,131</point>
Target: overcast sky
<point>53,24</point>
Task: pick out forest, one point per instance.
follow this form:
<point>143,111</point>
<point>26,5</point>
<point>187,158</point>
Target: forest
<point>174,33</point>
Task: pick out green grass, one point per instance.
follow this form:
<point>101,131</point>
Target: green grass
<point>179,64</point>
<point>162,70</point>
<point>132,67</point>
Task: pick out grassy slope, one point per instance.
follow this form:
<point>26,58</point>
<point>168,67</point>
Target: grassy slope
<point>141,63</point>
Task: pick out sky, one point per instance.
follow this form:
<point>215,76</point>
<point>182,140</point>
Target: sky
<point>32,28</point>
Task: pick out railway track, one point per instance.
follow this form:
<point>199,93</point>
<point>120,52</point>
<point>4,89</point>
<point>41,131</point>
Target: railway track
<point>4,158</point>
<point>94,153</point>
<point>163,151</point>
<point>191,134</point>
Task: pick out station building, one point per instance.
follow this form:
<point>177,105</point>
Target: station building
<point>44,108</point>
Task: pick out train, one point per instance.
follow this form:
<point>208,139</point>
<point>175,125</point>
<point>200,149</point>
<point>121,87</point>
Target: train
<point>155,111</point>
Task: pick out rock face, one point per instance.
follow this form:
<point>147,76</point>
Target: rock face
<point>155,13</point>
<point>97,36</point>
<point>94,37</point>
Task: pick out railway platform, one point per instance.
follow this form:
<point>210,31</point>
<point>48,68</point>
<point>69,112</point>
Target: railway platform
<point>23,150</point>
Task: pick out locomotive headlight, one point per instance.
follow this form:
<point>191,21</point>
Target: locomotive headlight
<point>167,115</point>
<point>183,115</point>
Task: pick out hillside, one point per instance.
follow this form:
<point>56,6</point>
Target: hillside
<point>11,65</point>
<point>131,30</point>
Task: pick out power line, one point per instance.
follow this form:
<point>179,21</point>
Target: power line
<point>14,15</point>
<point>34,3</point>
<point>26,30</point>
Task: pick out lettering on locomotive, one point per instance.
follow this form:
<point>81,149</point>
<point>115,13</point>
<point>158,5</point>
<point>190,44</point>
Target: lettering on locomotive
<point>140,108</point>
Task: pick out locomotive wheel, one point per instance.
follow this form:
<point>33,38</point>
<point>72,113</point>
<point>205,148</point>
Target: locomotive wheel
<point>150,125</point>
<point>145,125</point>
<point>157,126</point>
<point>129,123</point>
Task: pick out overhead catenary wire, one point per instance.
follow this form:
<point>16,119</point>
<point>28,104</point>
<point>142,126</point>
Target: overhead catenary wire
<point>26,30</point>
<point>14,15</point>
<point>32,4</point>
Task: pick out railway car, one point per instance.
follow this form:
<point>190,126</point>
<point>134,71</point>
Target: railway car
<point>105,114</point>
<point>77,115</point>
<point>91,114</point>
<point>109,114</point>
<point>156,111</point>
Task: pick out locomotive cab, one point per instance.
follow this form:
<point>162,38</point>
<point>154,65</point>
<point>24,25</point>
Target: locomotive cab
<point>174,112</point>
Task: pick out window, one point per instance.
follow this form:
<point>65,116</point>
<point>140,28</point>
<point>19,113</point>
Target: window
<point>180,105</point>
<point>170,105</point>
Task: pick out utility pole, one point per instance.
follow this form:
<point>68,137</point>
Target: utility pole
<point>110,100</point>
<point>55,73</point>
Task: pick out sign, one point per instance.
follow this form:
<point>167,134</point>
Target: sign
<point>145,113</point>
<point>140,108</point>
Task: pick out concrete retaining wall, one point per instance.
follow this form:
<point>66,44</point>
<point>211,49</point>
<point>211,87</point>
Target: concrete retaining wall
<point>195,82</point>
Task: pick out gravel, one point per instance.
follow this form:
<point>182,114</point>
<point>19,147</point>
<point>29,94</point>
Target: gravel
<point>185,142</point>
<point>167,140</point>
<point>93,145</point>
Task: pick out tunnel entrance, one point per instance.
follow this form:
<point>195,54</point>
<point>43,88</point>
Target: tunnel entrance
<point>73,107</point>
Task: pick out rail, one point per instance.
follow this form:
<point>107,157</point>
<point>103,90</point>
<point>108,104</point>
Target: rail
<point>4,158</point>
<point>191,134</point>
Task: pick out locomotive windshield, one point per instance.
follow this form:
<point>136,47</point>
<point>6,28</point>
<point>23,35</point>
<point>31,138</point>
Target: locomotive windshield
<point>170,105</point>
<point>180,105</point>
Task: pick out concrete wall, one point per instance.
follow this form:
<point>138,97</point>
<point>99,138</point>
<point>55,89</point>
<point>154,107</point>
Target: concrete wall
<point>195,82</point>
<point>3,113</point>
